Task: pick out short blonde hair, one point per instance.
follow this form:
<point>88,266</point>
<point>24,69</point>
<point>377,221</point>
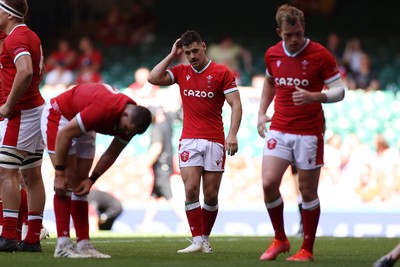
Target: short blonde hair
<point>290,14</point>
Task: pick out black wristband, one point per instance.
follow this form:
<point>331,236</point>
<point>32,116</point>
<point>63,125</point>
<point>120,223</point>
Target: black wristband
<point>60,167</point>
<point>94,177</point>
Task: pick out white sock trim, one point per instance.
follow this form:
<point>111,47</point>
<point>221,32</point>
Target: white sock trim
<point>192,206</point>
<point>310,205</point>
<point>210,208</point>
<point>79,198</point>
<point>275,203</point>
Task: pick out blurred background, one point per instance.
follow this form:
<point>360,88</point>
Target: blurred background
<point>117,41</point>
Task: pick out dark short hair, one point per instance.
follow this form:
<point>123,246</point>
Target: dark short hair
<point>190,37</point>
<point>19,5</point>
<point>141,118</point>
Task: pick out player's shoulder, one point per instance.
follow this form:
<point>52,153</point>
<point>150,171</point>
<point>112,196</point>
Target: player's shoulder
<point>276,48</point>
<point>317,47</point>
<point>275,51</point>
<point>218,67</point>
<point>22,33</point>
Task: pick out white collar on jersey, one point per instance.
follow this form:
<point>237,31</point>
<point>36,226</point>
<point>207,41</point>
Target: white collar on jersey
<point>22,24</point>
<point>205,67</point>
<point>298,52</point>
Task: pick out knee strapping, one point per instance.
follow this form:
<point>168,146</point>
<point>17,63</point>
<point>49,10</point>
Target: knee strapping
<point>32,160</point>
<point>10,158</point>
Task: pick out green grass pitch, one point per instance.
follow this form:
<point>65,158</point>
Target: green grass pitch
<point>232,251</point>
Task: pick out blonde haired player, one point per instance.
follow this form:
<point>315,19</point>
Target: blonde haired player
<point>297,71</point>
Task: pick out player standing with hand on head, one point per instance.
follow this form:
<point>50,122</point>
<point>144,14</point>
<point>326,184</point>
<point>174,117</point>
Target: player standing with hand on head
<point>22,145</point>
<point>204,87</point>
<point>297,70</point>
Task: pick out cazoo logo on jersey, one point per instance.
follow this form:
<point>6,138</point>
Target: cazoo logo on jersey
<point>290,81</point>
<point>198,93</point>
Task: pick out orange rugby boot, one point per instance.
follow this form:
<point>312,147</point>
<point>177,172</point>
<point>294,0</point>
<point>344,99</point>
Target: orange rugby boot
<point>277,247</point>
<point>301,255</point>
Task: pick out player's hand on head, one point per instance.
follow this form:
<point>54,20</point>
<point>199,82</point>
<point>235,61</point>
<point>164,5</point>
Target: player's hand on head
<point>177,47</point>
<point>83,188</point>
<point>261,128</point>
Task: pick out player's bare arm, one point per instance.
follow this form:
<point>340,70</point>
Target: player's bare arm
<point>335,93</point>
<point>231,142</point>
<point>159,75</point>
<point>63,144</point>
<point>267,95</point>
<point>104,163</point>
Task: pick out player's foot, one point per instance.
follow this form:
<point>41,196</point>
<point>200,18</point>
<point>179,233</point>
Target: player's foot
<point>24,247</point>
<point>67,250</point>
<point>8,245</point>
<point>194,247</point>
<point>206,247</point>
<point>301,255</point>
<point>44,233</point>
<point>86,249</point>
<point>385,261</point>
<point>277,247</point>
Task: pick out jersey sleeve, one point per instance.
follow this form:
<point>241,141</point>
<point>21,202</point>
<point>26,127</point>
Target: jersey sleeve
<point>174,72</point>
<point>329,68</point>
<point>229,82</point>
<point>268,71</point>
<point>17,47</point>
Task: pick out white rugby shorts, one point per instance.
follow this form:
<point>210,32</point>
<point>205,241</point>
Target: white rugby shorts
<point>83,146</point>
<point>22,131</point>
<point>201,152</point>
<point>305,151</point>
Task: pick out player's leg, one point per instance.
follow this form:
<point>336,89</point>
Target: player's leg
<point>309,159</point>
<point>79,204</point>
<point>22,226</point>
<point>85,152</point>
<point>214,164</point>
<point>211,185</point>
<point>273,169</point>
<point>1,213</point>
<point>11,197</point>
<point>277,156</point>
<point>36,198</point>
<point>389,259</point>
<point>109,213</point>
<point>31,139</point>
<point>191,180</point>
<point>308,185</point>
<point>62,211</point>
<point>191,163</point>
<point>299,200</point>
<point>51,122</point>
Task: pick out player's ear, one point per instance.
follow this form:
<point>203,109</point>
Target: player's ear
<point>278,31</point>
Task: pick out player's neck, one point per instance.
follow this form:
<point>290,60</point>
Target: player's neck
<point>12,25</point>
